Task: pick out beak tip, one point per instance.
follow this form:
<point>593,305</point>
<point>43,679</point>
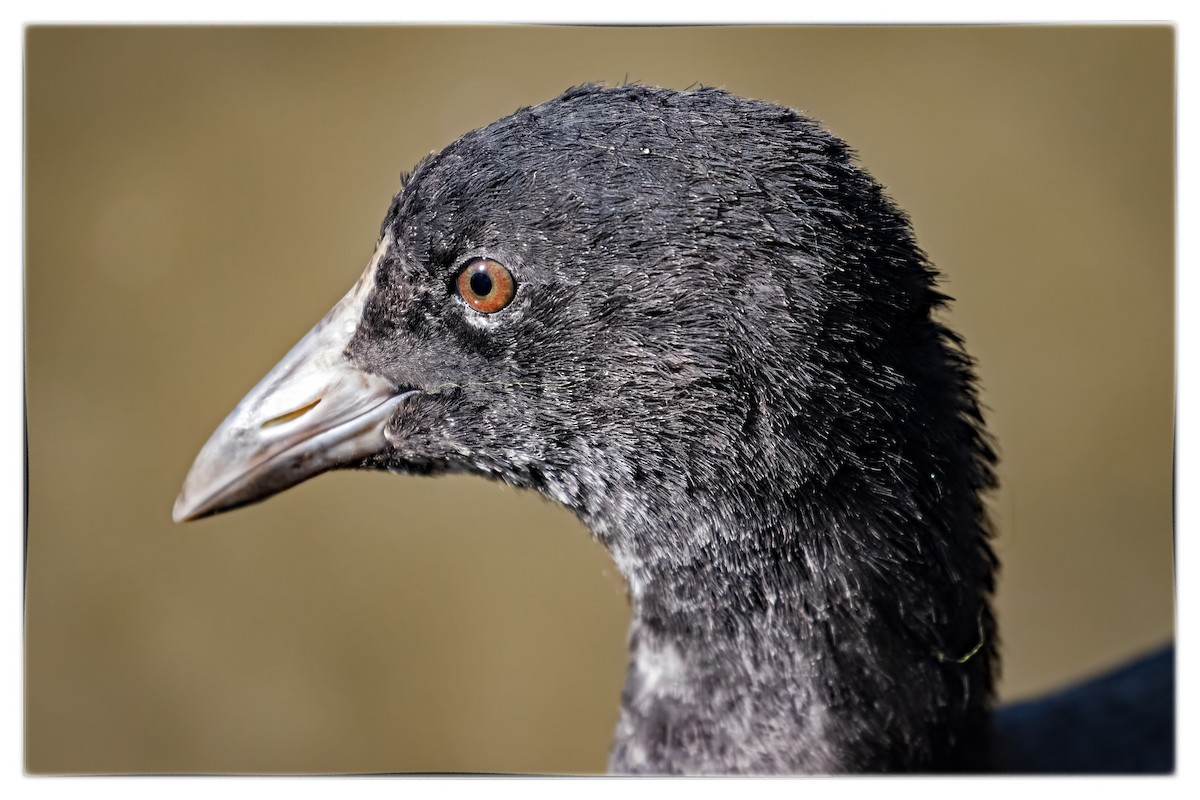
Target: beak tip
<point>182,512</point>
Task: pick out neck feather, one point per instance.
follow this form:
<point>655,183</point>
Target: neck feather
<point>787,642</point>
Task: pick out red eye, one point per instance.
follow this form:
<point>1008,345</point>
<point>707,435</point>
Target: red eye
<point>486,285</point>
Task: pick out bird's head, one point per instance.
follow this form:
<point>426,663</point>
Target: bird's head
<point>620,291</point>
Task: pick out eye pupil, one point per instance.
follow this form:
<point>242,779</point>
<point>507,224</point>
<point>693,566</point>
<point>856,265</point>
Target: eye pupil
<point>481,283</point>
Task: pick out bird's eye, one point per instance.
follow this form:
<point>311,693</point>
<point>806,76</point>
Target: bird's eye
<point>486,285</point>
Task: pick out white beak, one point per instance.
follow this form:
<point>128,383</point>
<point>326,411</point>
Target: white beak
<point>313,412</point>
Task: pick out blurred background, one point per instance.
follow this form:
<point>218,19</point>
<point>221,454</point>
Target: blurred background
<point>196,198</point>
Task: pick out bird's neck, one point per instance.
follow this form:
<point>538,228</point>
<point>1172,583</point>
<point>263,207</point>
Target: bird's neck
<point>783,650</point>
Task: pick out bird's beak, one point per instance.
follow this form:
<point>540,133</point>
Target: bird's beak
<point>314,411</point>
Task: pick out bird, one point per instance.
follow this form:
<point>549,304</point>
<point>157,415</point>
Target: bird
<point>695,321</point>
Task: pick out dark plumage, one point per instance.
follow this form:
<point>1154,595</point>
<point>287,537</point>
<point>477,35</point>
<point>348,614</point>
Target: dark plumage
<point>1119,723</point>
<point>721,355</point>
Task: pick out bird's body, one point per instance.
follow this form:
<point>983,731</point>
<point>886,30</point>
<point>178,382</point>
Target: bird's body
<point>691,319</point>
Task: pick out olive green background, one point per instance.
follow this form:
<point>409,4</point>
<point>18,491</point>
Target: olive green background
<point>197,198</point>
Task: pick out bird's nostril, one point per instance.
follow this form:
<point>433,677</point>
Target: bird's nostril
<point>291,415</point>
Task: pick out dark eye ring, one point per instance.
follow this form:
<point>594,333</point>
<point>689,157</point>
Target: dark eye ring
<point>486,285</point>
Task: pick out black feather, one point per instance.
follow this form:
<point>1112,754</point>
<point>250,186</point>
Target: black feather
<point>722,356</point>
